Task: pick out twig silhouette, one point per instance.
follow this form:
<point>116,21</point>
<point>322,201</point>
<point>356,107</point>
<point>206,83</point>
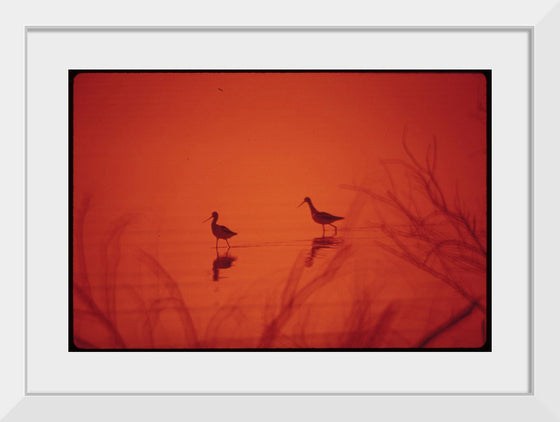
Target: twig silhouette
<point>441,238</point>
<point>446,326</point>
<point>442,241</point>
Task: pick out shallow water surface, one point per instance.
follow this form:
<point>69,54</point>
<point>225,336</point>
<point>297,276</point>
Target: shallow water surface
<point>344,291</point>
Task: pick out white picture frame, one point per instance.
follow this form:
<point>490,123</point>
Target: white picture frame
<point>539,403</point>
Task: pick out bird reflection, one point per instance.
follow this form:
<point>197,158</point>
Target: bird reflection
<point>221,262</point>
<point>319,243</point>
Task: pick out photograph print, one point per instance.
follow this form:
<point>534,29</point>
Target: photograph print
<point>268,210</point>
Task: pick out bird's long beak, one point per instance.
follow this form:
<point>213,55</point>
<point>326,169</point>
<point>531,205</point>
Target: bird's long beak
<point>207,219</point>
<point>303,202</point>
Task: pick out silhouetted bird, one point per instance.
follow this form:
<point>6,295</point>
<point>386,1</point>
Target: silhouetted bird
<point>321,217</point>
<point>221,232</point>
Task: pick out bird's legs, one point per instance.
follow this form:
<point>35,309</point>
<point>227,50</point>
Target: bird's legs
<point>228,244</point>
<point>323,229</point>
<point>332,226</point>
<point>216,244</point>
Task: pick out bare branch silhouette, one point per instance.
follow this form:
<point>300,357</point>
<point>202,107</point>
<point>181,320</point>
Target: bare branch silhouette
<point>441,238</point>
<point>446,326</point>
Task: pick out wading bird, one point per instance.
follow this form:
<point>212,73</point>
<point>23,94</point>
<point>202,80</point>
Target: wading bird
<point>320,217</point>
<point>221,232</point>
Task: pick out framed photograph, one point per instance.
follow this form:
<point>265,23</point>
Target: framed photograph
<point>420,137</point>
<point>152,150</point>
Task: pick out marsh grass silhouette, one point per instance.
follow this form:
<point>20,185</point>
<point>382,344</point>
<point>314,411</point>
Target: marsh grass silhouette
<point>86,305</point>
<point>174,300</point>
<point>364,327</point>
<point>365,324</point>
<point>293,297</point>
<point>82,290</point>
